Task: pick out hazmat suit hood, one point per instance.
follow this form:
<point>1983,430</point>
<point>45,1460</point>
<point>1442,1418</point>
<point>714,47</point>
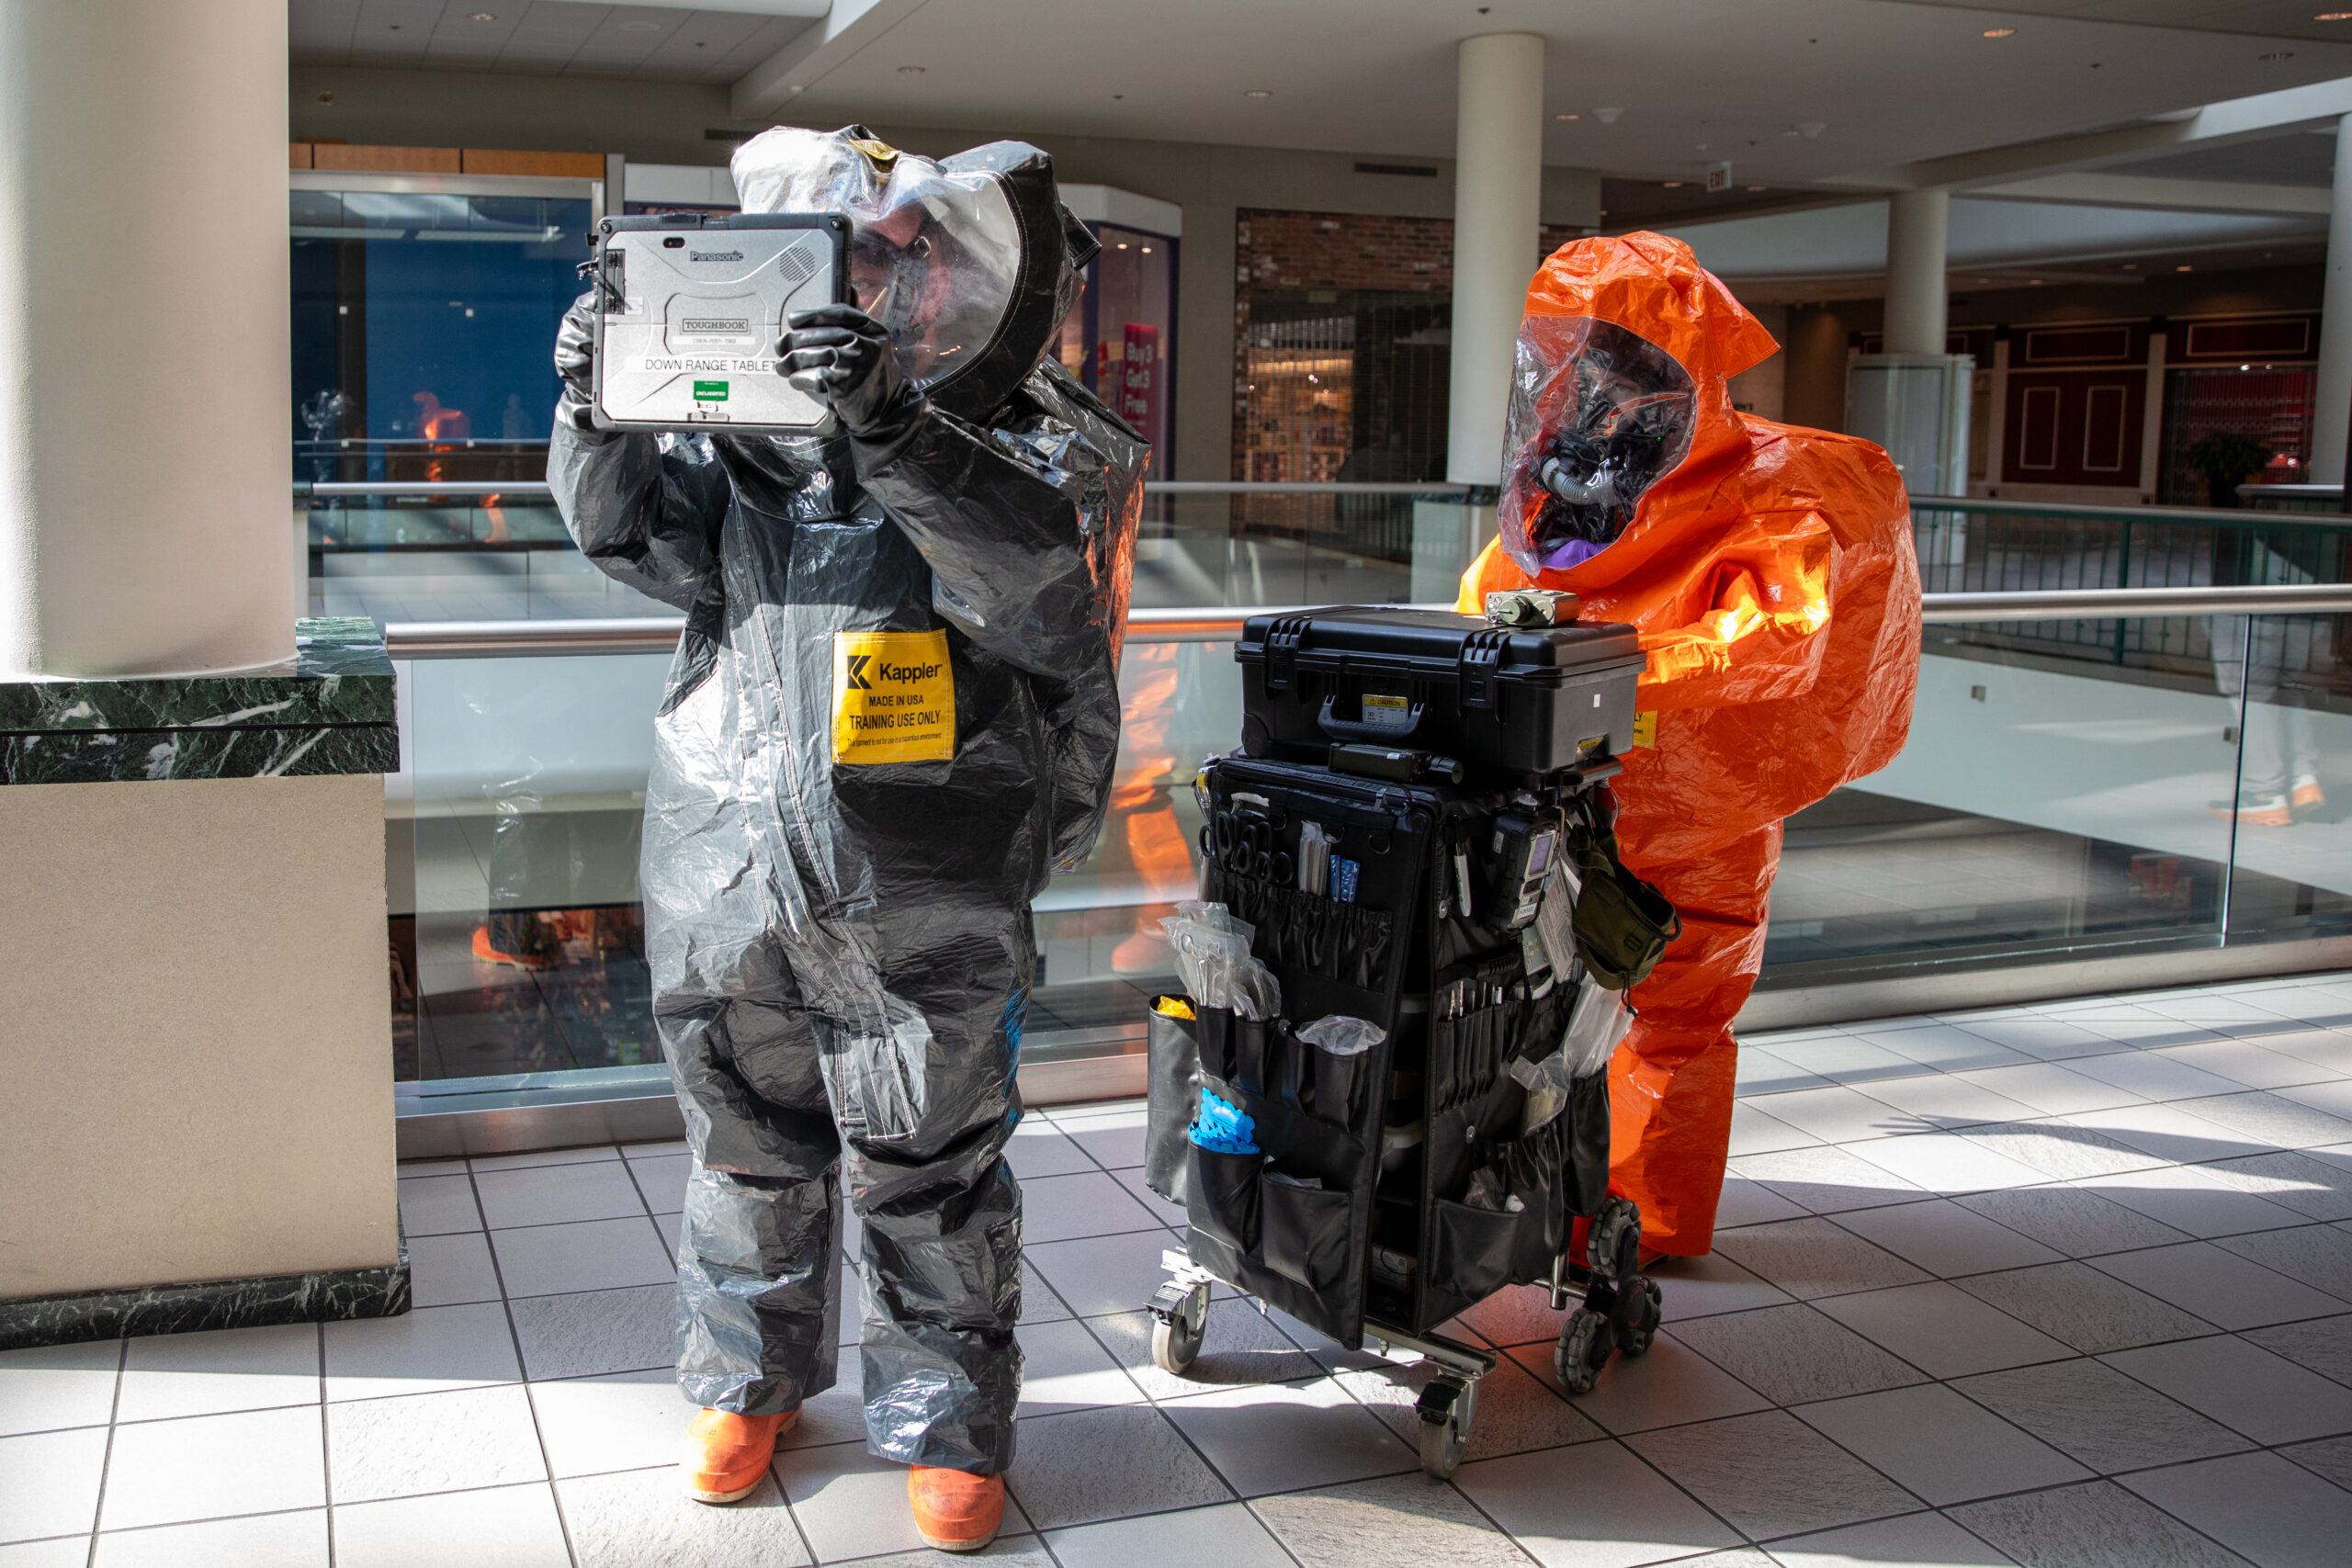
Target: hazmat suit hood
<point>969,261</point>
<point>1619,404</point>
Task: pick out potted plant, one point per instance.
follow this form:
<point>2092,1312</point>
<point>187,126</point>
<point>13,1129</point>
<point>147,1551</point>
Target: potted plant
<point>2227,459</point>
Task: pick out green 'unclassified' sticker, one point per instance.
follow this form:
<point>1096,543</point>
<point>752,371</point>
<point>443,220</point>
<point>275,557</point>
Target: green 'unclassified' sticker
<point>711,391</point>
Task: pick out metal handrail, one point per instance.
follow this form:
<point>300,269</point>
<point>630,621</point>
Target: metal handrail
<point>2182,516</point>
<point>479,639</point>
<point>330,490</point>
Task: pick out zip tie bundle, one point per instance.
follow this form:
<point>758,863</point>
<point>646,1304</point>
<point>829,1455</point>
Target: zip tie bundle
<point>1224,1128</point>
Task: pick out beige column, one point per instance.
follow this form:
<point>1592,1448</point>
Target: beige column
<point>1497,227</point>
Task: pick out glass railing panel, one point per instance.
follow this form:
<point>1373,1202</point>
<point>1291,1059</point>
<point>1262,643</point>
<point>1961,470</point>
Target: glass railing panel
<point>487,558</point>
<point>521,811</point>
<point>2043,805</point>
<point>2293,846</point>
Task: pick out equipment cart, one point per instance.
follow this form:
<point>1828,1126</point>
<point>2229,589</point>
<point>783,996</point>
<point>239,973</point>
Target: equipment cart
<point>1433,884</point>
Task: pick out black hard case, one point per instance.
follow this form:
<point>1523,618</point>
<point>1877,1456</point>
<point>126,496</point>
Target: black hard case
<point>1381,958</point>
<point>1518,703</point>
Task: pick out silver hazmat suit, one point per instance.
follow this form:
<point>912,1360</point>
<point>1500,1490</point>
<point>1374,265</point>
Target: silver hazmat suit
<point>836,916</point>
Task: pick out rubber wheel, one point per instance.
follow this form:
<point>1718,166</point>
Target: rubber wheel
<point>1635,1338</point>
<point>1582,1348</point>
<point>1173,1350</point>
<point>1443,1442</point>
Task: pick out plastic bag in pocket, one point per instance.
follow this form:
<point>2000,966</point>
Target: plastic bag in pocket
<point>1599,1022</point>
<point>1303,1232</point>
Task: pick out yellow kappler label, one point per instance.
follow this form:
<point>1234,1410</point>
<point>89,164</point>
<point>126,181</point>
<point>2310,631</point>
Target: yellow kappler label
<point>894,697</point>
<point>1645,729</point>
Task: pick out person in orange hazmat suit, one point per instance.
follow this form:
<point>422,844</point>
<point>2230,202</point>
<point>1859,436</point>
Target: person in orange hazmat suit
<point>1772,574</point>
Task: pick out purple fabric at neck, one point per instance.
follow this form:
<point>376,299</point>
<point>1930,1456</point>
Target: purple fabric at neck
<point>1568,553</point>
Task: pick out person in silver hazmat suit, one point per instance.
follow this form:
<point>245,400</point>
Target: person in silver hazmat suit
<point>836,906</point>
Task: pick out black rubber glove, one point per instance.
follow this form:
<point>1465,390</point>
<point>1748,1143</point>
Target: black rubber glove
<point>575,361</point>
<point>841,356</point>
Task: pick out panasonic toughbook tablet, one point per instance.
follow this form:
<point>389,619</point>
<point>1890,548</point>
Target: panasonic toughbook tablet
<point>689,309</point>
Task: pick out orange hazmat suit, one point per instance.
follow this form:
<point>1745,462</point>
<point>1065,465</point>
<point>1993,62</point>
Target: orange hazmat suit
<point>1772,574</point>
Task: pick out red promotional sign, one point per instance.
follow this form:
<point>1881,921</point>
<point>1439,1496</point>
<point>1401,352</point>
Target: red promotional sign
<point>1138,391</point>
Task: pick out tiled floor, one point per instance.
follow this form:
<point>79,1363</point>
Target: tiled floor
<point>2068,1286</point>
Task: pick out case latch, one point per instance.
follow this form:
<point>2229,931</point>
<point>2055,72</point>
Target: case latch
<point>1283,638</point>
<point>1480,660</point>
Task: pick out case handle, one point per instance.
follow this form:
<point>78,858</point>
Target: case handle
<point>1351,729</point>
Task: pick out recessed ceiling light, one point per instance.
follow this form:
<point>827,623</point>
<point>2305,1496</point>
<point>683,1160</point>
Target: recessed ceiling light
<point>1123,244</point>
<point>1756,187</point>
<point>1607,116</point>
<point>2277,55</point>
<point>2000,33</point>
<point>482,17</point>
<point>1256,93</point>
<point>911,70</point>
<point>640,27</point>
<point>1567,117</point>
<point>1147,250</point>
<point>2333,17</point>
<point>1673,184</point>
<point>2034,281</point>
<point>2131,267</point>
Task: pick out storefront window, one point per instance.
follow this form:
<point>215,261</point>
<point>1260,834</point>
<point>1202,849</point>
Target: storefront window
<point>1120,337</point>
<point>421,328</point>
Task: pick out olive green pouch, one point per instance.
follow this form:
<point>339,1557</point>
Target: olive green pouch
<point>1623,924</point>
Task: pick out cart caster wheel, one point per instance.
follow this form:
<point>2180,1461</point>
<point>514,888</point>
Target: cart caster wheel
<point>1613,1244</point>
<point>1176,1337</point>
<point>1635,1334</point>
<point>1447,1410</point>
<point>1584,1345</point>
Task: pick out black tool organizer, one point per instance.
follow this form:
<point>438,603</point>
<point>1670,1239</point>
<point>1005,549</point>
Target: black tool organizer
<point>1365,1246</point>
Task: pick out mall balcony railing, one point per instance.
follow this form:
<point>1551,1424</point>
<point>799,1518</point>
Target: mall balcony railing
<point>2061,820</point>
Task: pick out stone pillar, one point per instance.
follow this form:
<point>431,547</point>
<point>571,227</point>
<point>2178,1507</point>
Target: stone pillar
<point>1497,228</point>
<point>145,433</point>
<point>2331,407</point>
<point>1916,224</point>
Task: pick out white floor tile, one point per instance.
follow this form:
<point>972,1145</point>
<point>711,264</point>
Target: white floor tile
<point>1667,1386</point>
<point>544,1156</point>
<point>432,1442</point>
<point>1701,1287</point>
<point>2247,1062</point>
<point>1940,1446</point>
<point>2050,1089</point>
<point>2243,1387</point>
<point>257,1541</point>
<point>2220,1287</point>
<point>1226,1536</point>
<point>438,1205</point>
<point>553,1194</point>
<point>2259,1504</point>
<point>1754,1131</point>
<point>209,1467</point>
<point>851,1504</point>
<point>58,1551</point>
<point>622,1421</point>
<point>1922,1539</point>
<point>1813,1256</point>
<point>49,1482</point>
<point>1087,1203</point>
<point>592,1255</point>
<point>1947,1100</point>
<point>1942,1330</point>
<point>58,1385</point>
<point>640,1519</point>
<point>424,1351</point>
<point>1067,1369</point>
<point>1400,1521</point>
<point>1283,1436</point>
<point>446,1269</point>
<point>2192,1201</point>
<point>1834,1115</point>
<point>663,1180</point>
<point>1615,1512</point>
<point>168,1375</point>
<point>1946,1163</point>
<point>510,1526</point>
<point>1769,1474</point>
<point>1946,1240</point>
<point>1121,1461</point>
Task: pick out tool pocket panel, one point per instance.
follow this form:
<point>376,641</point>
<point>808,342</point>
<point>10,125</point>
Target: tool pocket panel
<point>1473,1249</point>
<point>1174,1057</point>
<point>1223,1199</point>
<point>1587,1119</point>
<point>1304,1232</point>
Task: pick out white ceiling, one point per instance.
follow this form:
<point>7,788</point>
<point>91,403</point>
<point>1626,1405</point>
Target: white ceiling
<point>1890,81</point>
<point>537,38</point>
<point>1876,82</point>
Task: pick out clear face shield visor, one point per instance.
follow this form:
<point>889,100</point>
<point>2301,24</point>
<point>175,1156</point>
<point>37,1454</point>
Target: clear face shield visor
<point>1599,414</point>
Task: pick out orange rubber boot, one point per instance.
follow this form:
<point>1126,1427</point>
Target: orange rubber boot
<point>723,1455</point>
<point>953,1511</point>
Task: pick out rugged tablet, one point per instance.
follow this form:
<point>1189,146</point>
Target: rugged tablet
<point>690,307</point>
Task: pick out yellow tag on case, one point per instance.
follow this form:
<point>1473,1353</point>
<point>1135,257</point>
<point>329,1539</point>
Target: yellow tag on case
<point>1645,729</point>
<point>894,697</point>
